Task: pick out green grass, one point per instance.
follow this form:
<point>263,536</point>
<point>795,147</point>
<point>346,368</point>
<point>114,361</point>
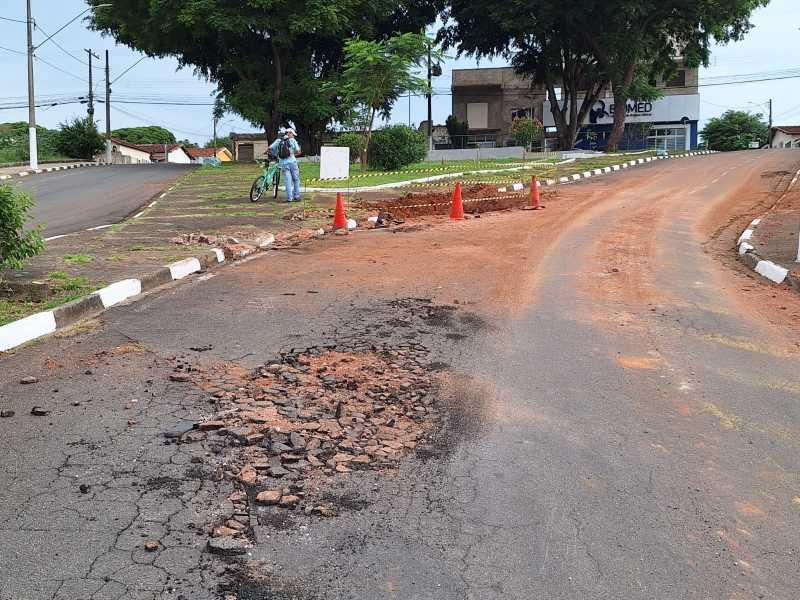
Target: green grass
<point>77,259</point>
<point>65,288</point>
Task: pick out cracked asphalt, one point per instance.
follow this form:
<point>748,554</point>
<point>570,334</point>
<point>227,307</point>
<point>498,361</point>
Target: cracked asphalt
<point>619,402</point>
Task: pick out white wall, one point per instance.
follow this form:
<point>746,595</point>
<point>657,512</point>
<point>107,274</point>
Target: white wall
<point>136,156</point>
<point>179,156</point>
<point>781,140</point>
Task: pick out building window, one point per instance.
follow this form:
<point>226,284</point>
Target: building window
<point>520,113</point>
<point>678,80</point>
<point>667,138</point>
<point>478,115</point>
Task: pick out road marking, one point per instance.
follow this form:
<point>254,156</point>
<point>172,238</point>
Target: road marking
<point>100,227</point>
<point>152,204</point>
<point>27,329</point>
<point>119,291</point>
<point>139,214</point>
<point>55,237</point>
<point>771,271</point>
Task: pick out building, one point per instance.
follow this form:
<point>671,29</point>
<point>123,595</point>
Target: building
<point>124,153</point>
<point>171,153</point>
<point>201,155</point>
<point>490,99</point>
<point>785,136</point>
<point>248,147</point>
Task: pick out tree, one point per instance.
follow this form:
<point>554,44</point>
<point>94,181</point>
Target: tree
<point>16,244</point>
<point>187,143</point>
<point>80,139</point>
<point>375,74</point>
<point>526,131</point>
<point>222,142</point>
<point>542,40</point>
<point>457,130</point>
<point>636,41</point>
<point>268,58</point>
<point>735,130</point>
<point>152,134</point>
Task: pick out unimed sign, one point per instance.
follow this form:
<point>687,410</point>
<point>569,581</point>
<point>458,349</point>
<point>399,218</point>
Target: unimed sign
<point>667,109</point>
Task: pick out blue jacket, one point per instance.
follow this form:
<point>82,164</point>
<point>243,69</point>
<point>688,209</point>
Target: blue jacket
<point>293,146</point>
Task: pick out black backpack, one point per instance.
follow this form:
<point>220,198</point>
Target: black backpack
<point>285,149</point>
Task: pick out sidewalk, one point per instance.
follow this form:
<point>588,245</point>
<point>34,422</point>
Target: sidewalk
<point>206,208</point>
<point>23,170</point>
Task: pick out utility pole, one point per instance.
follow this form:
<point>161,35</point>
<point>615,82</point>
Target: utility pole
<point>430,101</point>
<point>90,107</point>
<point>215,134</point>
<point>32,146</point>
<point>769,135</point>
<point>108,112</point>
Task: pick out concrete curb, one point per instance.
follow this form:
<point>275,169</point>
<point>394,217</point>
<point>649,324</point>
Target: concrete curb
<point>50,170</point>
<point>38,325</point>
<point>766,268</point>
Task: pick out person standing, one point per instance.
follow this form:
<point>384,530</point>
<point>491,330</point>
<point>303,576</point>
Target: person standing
<point>287,149</point>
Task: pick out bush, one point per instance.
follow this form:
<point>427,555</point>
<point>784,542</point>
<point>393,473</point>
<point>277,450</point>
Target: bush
<point>527,131</point>
<point>80,139</point>
<point>458,131</point>
<point>395,147</point>
<point>354,141</point>
<point>16,244</point>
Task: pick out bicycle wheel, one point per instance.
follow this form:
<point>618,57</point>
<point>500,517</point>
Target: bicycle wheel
<point>276,181</point>
<point>257,189</point>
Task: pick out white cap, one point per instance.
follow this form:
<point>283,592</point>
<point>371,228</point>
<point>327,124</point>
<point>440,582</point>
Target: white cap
<point>290,130</point>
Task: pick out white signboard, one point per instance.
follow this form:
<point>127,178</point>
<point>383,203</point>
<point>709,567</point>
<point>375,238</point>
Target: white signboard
<point>334,162</point>
<point>667,109</point>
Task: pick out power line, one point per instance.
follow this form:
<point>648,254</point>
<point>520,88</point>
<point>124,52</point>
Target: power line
<point>14,20</point>
<point>65,51</point>
<point>128,69</point>
<point>148,120</point>
<point>12,50</point>
<point>57,68</point>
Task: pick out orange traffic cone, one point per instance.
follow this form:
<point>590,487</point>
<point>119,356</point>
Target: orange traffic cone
<point>534,203</point>
<point>457,207</point>
<point>339,218</point>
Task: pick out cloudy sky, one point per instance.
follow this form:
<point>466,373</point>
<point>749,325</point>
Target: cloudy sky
<point>62,72</point>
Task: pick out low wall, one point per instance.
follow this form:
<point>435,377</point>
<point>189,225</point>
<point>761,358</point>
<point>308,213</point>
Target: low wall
<point>477,153</point>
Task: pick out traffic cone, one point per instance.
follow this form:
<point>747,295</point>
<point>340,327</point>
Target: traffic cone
<point>457,207</point>
<point>339,218</point>
<point>534,203</point>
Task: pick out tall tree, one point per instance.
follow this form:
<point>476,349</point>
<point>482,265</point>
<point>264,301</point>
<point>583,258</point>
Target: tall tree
<point>268,58</point>
<point>735,130</point>
<point>637,40</point>
<point>541,40</point>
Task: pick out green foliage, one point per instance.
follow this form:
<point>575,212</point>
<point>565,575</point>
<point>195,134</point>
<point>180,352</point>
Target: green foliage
<point>16,244</point>
<point>269,59</point>
<point>352,140</point>
<point>14,142</point>
<point>734,130</point>
<point>187,144</point>
<point>395,147</point>
<point>80,139</point>
<point>151,134</point>
<point>221,142</point>
<point>375,74</point>
<point>457,130</point>
<point>526,131</point>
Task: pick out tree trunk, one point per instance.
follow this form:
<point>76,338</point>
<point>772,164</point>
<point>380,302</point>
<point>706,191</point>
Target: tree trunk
<point>277,94</point>
<point>367,138</point>
<point>620,102</point>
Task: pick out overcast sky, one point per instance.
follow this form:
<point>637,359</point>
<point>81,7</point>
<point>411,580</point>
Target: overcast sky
<point>772,45</point>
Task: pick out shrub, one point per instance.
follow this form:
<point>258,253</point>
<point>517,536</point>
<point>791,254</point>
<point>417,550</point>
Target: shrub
<point>527,131</point>
<point>457,130</point>
<point>354,141</point>
<point>396,147</point>
<point>16,244</point>
<point>80,139</point>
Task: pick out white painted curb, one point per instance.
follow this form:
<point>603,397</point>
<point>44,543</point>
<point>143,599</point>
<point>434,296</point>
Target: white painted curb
<point>27,329</point>
<point>119,291</point>
<point>771,271</point>
<point>184,268</point>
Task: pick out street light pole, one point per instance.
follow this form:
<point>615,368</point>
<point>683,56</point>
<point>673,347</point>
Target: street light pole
<point>108,112</point>
<point>33,151</point>
<point>90,107</point>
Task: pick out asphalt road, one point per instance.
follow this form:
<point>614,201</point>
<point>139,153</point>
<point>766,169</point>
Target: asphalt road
<point>78,199</point>
<point>621,410</point>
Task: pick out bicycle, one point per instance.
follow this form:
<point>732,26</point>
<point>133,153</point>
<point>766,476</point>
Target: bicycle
<point>271,177</point>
